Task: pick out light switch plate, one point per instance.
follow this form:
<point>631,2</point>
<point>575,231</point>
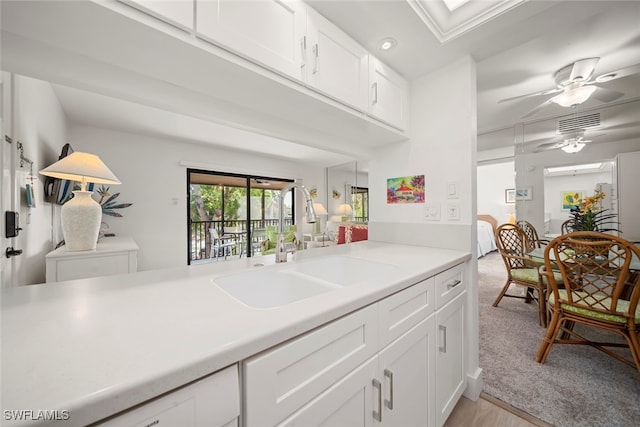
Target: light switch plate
<point>453,211</point>
<point>432,211</point>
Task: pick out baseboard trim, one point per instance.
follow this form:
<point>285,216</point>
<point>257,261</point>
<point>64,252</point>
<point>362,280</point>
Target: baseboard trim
<point>515,411</point>
<point>475,385</point>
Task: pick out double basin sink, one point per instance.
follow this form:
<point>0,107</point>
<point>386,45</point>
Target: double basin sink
<point>287,283</point>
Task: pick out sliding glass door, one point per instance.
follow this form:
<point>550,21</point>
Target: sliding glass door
<point>238,207</point>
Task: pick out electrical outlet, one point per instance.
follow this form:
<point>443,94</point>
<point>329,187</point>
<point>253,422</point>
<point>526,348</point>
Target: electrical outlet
<point>432,212</point>
<point>453,211</point>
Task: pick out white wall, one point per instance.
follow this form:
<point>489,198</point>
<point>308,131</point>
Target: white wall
<point>493,180</point>
<point>442,146</point>
<point>555,186</point>
<point>41,126</point>
<point>154,180</point>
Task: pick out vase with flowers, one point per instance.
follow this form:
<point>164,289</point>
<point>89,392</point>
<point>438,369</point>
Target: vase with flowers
<point>589,215</point>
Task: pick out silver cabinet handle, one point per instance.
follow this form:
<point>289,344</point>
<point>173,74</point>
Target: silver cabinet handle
<point>454,284</point>
<point>303,51</point>
<point>443,347</point>
<point>389,402</point>
<point>374,89</point>
<point>315,55</point>
<point>378,414</point>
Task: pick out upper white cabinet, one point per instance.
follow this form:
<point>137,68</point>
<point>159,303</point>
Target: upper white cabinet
<point>269,32</point>
<point>388,97</point>
<point>335,64</point>
<point>176,12</point>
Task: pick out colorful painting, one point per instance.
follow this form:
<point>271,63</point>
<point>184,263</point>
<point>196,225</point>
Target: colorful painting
<point>406,189</point>
<point>571,199</point>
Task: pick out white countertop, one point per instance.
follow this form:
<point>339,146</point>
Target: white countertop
<point>95,347</point>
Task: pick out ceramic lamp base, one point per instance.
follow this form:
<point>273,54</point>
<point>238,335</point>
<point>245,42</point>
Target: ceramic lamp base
<point>81,217</point>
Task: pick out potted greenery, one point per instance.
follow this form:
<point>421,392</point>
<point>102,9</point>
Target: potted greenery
<point>588,215</point>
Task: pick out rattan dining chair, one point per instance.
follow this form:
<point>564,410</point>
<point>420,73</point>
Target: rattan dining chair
<point>532,235</point>
<point>566,226</point>
<point>600,291</point>
<point>521,269</point>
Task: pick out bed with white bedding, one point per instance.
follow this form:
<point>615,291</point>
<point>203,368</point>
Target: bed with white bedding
<point>486,234</point>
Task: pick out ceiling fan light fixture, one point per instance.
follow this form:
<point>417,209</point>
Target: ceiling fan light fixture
<point>574,147</point>
<point>574,96</point>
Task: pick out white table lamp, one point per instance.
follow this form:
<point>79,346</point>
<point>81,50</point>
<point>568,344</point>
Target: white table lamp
<point>81,216</point>
<point>345,211</point>
<point>320,212</point>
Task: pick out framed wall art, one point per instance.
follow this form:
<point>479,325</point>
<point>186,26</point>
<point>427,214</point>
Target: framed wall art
<point>510,195</point>
<point>524,193</point>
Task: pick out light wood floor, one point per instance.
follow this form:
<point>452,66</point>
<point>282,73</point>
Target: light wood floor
<point>490,412</point>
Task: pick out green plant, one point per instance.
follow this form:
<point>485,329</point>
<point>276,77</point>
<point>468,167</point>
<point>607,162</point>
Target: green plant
<point>109,204</point>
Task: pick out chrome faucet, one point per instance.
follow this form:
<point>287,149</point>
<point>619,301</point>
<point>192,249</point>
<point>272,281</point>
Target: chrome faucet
<point>281,249</point>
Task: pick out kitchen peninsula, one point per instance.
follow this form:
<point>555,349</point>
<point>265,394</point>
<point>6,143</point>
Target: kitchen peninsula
<point>97,347</point>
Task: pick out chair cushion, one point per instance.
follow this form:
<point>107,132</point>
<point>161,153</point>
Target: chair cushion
<point>531,275</point>
<point>623,306</point>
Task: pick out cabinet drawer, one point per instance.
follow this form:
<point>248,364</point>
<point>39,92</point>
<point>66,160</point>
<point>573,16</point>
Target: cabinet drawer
<point>449,284</point>
<point>211,402</point>
<point>401,311</point>
<point>92,267</point>
<point>280,381</point>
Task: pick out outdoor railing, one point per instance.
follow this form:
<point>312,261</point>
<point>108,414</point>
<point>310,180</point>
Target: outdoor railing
<point>201,238</point>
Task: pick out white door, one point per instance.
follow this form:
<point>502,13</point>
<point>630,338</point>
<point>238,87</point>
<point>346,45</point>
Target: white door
<point>348,403</point>
<point>406,367</point>
<point>450,367</point>
<point>388,93</point>
<point>336,65</point>
<point>269,32</point>
<point>8,189</point>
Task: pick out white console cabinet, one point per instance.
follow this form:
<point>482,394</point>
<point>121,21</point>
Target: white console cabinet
<point>113,255</point>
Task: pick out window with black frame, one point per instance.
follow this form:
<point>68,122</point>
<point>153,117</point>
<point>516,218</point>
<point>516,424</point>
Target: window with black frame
<point>230,215</point>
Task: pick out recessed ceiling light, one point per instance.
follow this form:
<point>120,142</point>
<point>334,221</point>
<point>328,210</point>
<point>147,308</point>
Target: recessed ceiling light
<point>454,4</point>
<point>387,43</point>
<point>574,168</point>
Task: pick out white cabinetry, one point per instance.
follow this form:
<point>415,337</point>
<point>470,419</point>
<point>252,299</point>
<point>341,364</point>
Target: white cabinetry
<point>388,97</point>
<point>269,32</point>
<point>213,401</point>
<point>176,12</point>
<point>336,65</point>
<point>451,377</point>
<point>375,366</point>
<point>113,255</point>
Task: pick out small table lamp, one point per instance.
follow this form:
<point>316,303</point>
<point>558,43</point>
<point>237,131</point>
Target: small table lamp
<point>320,212</point>
<point>81,216</point>
<point>345,210</point>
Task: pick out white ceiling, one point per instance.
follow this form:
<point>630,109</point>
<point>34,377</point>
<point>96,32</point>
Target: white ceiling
<point>517,45</point>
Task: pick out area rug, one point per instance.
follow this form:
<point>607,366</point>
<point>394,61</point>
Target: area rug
<point>576,386</point>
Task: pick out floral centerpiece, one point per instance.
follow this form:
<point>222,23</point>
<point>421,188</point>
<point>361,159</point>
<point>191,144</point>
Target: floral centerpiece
<point>589,216</point>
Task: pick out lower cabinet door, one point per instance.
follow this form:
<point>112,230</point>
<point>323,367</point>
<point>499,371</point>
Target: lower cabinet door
<point>348,403</point>
<point>406,367</point>
<point>450,366</point>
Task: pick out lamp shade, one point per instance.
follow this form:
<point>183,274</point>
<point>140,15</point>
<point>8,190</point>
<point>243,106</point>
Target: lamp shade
<point>81,216</point>
<point>83,167</point>
<point>320,210</point>
<point>345,211</point>
<point>574,147</point>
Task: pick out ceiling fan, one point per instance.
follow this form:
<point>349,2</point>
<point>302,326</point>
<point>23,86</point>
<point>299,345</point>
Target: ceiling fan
<point>571,144</point>
<point>574,85</point>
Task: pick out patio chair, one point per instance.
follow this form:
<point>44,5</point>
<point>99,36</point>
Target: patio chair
<point>600,291</point>
<point>219,245</point>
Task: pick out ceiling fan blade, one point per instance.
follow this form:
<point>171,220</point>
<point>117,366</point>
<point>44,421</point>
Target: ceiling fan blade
<point>583,69</point>
<point>624,72</point>
<point>603,94</point>
<point>530,95</point>
<point>550,146</point>
<point>538,108</point>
